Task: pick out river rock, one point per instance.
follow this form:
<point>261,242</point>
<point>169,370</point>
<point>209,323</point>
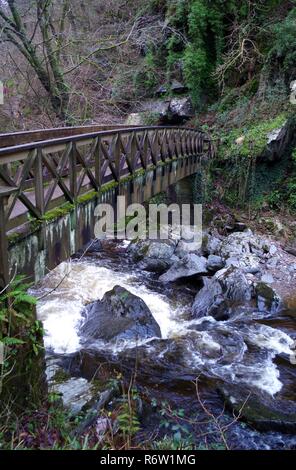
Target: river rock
<point>235,284</point>
<point>235,244</point>
<point>185,247</point>
<point>260,409</point>
<point>189,265</point>
<point>120,315</point>
<point>211,245</point>
<point>267,298</point>
<point>154,255</point>
<point>249,263</point>
<point>228,286</point>
<point>215,263</point>
<point>209,299</point>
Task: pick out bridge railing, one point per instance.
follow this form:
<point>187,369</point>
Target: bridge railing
<point>42,175</point>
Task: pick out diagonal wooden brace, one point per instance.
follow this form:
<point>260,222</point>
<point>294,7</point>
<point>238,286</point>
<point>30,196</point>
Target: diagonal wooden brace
<point>5,192</point>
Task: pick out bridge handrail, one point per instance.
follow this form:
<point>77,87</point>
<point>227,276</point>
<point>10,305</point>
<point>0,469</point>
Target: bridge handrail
<point>40,174</point>
<point>23,137</point>
<point>84,136</point>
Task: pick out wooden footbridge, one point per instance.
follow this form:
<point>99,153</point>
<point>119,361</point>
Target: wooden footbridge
<point>51,181</point>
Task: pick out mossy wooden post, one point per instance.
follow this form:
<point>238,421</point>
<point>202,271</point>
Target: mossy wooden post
<point>5,192</point>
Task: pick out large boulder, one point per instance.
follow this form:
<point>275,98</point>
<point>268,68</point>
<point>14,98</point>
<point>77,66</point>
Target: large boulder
<point>267,298</point>
<point>278,141</point>
<point>235,284</point>
<point>175,110</point>
<point>229,287</point>
<point>260,409</point>
<point>209,299</point>
<point>189,265</point>
<point>120,315</point>
<point>181,109</point>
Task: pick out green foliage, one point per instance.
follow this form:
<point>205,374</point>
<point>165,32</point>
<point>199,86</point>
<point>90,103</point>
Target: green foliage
<point>254,138</point>
<point>21,335</point>
<point>146,77</point>
<point>127,419</point>
<point>283,48</point>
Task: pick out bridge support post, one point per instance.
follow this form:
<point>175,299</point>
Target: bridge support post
<point>5,192</point>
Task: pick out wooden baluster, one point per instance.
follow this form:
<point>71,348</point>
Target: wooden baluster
<point>116,155</point>
<point>134,151</point>
<point>145,151</point>
<point>154,148</point>
<point>73,170</point>
<point>38,181</point>
<point>162,146</point>
<point>98,162</point>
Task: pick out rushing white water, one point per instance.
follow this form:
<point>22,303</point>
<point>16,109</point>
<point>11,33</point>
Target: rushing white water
<point>68,288</point>
<point>81,283</point>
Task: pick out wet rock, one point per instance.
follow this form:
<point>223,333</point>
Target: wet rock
<point>260,410</point>
<point>156,359</point>
<point>216,298</point>
<point>235,284</point>
<point>94,246</point>
<point>215,263</point>
<point>209,299</point>
<point>267,298</point>
<point>120,315</point>
<point>154,265</point>
<point>189,265</point>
